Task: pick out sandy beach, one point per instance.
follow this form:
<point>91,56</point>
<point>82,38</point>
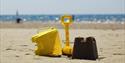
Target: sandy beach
<point>16,45</point>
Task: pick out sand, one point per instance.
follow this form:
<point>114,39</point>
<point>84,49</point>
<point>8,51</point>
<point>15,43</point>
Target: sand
<point>77,25</point>
<point>16,45</point>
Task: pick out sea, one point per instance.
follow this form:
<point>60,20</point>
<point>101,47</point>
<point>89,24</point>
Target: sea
<point>120,18</point>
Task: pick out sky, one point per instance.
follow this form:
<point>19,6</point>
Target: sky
<point>62,6</point>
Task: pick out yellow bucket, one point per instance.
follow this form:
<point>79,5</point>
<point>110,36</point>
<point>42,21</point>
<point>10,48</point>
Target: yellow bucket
<point>48,43</point>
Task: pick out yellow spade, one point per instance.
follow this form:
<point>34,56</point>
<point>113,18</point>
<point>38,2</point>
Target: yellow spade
<point>66,20</point>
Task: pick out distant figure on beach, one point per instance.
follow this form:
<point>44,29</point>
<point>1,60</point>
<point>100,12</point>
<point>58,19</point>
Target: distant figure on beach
<point>18,20</point>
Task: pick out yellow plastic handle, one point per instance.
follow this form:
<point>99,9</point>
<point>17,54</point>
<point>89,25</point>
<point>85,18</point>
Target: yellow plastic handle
<point>66,20</point>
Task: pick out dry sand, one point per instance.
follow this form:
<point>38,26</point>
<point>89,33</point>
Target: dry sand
<point>16,45</point>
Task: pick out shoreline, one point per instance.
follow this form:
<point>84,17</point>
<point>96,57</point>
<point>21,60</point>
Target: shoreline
<point>75,25</point>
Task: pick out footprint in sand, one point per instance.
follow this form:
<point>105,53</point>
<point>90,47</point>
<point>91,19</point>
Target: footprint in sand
<point>118,54</point>
<point>27,54</point>
<point>10,49</point>
<point>17,56</point>
<point>23,45</point>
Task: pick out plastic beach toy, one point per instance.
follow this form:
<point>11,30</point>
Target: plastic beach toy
<point>66,20</point>
<point>48,43</point>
